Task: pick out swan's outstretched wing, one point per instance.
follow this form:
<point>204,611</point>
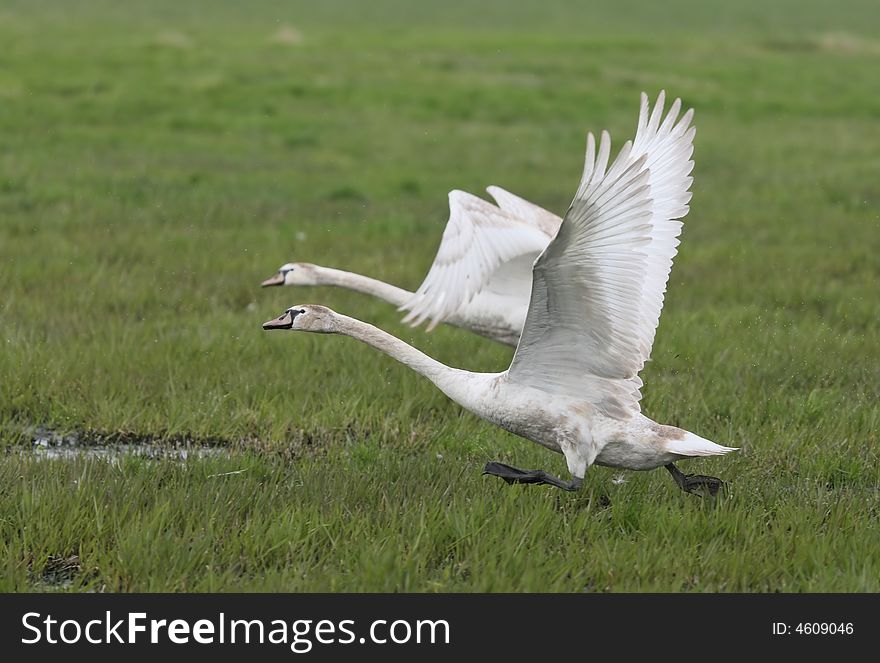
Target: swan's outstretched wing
<point>598,287</point>
<point>479,239</point>
<point>546,222</point>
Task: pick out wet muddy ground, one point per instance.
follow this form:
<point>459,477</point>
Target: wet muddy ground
<point>51,445</point>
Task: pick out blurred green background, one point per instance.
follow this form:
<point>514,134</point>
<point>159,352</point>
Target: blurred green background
<point>158,159</point>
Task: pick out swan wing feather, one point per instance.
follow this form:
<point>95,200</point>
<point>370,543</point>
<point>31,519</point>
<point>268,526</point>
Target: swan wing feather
<point>547,222</point>
<point>479,239</point>
<point>598,287</point>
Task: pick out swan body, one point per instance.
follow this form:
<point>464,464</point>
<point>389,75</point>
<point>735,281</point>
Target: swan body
<point>597,291</point>
<point>570,426</point>
<point>499,243</point>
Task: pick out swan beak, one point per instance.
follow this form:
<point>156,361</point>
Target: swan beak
<point>277,279</point>
<point>284,321</point>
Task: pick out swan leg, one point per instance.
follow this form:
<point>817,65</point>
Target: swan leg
<point>695,483</point>
<point>514,475</point>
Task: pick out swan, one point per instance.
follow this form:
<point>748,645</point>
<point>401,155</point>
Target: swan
<point>481,276</point>
<point>492,299</point>
<point>597,291</point>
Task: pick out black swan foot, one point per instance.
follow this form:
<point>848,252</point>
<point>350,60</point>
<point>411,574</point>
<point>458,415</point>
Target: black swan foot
<point>514,475</point>
<point>696,484</point>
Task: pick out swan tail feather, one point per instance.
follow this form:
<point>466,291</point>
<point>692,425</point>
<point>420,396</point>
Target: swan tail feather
<point>694,445</point>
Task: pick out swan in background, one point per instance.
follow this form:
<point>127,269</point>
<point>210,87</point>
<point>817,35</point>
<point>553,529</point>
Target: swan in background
<point>481,276</point>
<point>597,292</point>
<point>492,299</point>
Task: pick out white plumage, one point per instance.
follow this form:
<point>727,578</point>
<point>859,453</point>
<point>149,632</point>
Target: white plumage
<point>598,287</point>
<point>484,251</point>
<point>597,291</point>
<point>480,278</point>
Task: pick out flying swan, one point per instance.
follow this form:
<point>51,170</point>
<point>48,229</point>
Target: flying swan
<point>597,291</point>
<point>480,278</point>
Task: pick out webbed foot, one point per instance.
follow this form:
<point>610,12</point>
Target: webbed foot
<point>514,475</point>
<point>696,484</point>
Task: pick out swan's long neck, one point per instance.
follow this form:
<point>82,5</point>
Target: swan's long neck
<point>336,277</point>
<point>454,382</point>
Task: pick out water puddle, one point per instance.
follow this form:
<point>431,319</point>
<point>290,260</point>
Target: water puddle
<point>49,445</point>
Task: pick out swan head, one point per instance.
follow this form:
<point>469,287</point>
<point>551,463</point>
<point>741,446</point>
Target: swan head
<point>293,273</point>
<point>306,317</point>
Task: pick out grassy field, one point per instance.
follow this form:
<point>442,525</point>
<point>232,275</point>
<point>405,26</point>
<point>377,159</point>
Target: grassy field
<point>157,160</point>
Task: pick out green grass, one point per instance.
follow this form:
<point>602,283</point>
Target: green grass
<point>157,160</point>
